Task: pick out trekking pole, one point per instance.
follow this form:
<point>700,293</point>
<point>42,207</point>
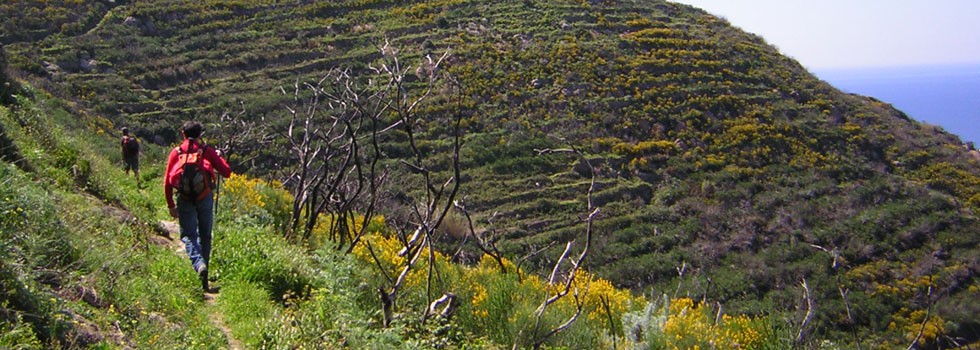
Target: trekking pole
<point>217,189</point>
<point>217,195</point>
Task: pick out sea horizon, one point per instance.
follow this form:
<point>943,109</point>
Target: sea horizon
<point>947,95</point>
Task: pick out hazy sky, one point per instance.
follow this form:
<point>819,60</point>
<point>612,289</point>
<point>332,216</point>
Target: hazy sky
<point>824,34</point>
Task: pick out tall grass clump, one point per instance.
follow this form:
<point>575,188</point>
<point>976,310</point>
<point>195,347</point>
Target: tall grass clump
<point>30,245</point>
<point>253,255</point>
<point>339,310</point>
<point>247,248</point>
<point>254,318</point>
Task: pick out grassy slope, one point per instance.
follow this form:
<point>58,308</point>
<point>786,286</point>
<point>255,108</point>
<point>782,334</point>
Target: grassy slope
<point>716,153</point>
<point>85,263</point>
<point>79,269</point>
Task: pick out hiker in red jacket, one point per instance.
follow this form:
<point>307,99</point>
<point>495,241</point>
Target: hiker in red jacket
<point>131,154</point>
<point>191,172</point>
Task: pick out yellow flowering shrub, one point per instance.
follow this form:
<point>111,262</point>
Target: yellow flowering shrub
<point>870,271</point>
<point>949,178</point>
<point>502,306</point>
<point>241,196</point>
<point>904,287</point>
<point>386,248</point>
<point>685,324</point>
<point>495,299</point>
<point>600,291</point>
<point>242,193</point>
<point>910,323</point>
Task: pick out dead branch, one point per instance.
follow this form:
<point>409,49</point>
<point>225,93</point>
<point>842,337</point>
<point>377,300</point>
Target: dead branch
<point>579,306</point>
<point>925,321</point>
<point>609,318</point>
<point>838,267</point>
<point>486,244</point>
<point>387,307</point>
<point>575,264</point>
<point>801,335</point>
<point>448,304</point>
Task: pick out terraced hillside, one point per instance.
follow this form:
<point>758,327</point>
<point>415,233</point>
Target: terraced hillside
<point>725,170</point>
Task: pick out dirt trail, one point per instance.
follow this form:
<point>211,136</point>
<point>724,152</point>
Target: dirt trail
<point>214,314</point>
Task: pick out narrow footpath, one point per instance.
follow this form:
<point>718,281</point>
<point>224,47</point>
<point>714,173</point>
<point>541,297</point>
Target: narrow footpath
<point>214,312</point>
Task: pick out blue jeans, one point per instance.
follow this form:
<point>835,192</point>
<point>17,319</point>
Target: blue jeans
<point>195,228</point>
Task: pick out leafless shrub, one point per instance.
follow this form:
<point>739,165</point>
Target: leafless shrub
<point>571,272</point>
<point>335,132</point>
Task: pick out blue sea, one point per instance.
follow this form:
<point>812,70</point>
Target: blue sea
<point>946,96</point>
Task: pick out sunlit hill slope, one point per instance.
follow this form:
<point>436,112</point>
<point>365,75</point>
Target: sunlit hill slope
<point>724,170</point>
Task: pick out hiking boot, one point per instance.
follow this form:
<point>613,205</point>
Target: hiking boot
<point>204,281</point>
<point>202,272</point>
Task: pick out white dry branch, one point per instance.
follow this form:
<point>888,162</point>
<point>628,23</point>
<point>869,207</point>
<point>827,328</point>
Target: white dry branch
<point>804,325</point>
<point>437,195</point>
<point>335,130</point>
<point>575,265</point>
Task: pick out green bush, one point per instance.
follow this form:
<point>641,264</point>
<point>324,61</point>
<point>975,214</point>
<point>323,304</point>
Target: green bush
<point>254,255</point>
<point>17,334</point>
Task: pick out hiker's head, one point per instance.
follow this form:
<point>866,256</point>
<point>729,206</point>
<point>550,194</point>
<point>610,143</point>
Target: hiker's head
<point>192,129</point>
<point>125,131</point>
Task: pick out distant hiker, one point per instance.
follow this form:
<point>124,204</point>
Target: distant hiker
<point>131,154</point>
<point>191,171</point>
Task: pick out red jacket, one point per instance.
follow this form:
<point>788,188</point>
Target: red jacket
<point>210,154</point>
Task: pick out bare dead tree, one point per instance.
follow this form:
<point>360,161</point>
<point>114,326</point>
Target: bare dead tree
<point>681,271</point>
<point>241,137</point>
<point>487,241</point>
<point>805,324</point>
<point>335,131</point>
<point>353,189</point>
<point>305,120</point>
<point>339,153</point>
<point>330,121</point>
<point>925,320</point>
<point>838,266</point>
<point>438,194</point>
<point>575,265</point>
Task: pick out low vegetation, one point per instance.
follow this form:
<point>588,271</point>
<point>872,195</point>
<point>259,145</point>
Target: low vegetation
<point>730,182</point>
<point>87,265</point>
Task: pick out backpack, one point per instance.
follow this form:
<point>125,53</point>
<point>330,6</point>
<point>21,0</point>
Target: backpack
<point>131,146</point>
<point>191,175</point>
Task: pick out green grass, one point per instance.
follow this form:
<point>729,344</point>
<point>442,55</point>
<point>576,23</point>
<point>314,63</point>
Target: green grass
<point>713,149</point>
<point>80,268</point>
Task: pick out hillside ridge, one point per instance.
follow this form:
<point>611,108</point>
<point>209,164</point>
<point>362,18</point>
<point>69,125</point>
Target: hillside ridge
<point>716,155</point>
